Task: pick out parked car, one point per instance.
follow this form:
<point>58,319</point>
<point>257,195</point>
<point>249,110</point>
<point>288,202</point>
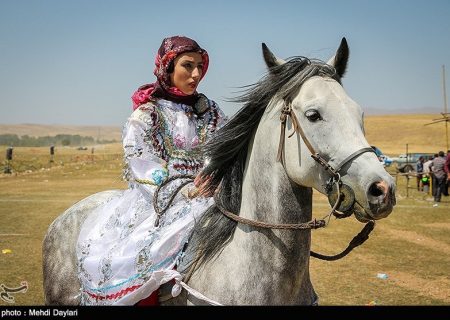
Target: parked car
<point>382,157</point>
<point>407,162</point>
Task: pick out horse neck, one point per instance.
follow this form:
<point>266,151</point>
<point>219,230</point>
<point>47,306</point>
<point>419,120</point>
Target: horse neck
<point>264,266</point>
<point>268,195</point>
<point>267,192</point>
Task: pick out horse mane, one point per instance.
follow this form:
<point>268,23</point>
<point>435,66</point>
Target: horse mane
<point>227,150</point>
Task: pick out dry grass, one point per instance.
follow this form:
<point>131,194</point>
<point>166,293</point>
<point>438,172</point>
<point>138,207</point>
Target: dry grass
<point>391,133</point>
<point>411,246</point>
<point>31,200</point>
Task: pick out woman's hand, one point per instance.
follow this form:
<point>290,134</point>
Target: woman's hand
<point>203,186</point>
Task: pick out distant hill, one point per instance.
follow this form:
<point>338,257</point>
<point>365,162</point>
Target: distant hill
<point>390,132</point>
<point>397,111</point>
<point>41,130</point>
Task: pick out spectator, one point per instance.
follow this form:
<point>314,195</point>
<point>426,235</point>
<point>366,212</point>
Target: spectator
<point>447,171</point>
<point>419,171</point>
<point>427,174</point>
<point>433,178</point>
<point>427,165</point>
<point>440,176</point>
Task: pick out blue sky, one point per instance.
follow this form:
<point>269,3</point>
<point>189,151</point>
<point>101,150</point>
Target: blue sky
<point>78,62</point>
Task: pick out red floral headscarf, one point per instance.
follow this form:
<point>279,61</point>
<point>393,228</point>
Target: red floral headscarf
<point>170,48</point>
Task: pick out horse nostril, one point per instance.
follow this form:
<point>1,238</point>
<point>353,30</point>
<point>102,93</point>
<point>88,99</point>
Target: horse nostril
<point>377,189</point>
<point>381,199</point>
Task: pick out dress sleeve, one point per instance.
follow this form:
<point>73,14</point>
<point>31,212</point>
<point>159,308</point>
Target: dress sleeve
<point>221,117</point>
<point>143,166</point>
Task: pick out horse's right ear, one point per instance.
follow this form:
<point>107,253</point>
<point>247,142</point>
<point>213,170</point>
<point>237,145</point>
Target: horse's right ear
<point>340,59</point>
<point>270,59</point>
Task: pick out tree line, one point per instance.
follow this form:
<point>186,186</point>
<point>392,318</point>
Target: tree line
<point>58,140</point>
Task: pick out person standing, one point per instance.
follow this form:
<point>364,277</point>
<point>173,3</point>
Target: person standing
<point>433,178</point>
<point>440,175</point>
<point>427,174</point>
<point>447,171</point>
<point>419,172</point>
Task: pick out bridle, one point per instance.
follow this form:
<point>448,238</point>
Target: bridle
<point>342,190</point>
<point>336,190</point>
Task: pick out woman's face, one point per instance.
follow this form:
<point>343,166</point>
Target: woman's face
<point>188,70</point>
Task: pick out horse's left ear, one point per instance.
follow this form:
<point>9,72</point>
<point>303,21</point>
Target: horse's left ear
<point>269,57</point>
<point>340,59</point>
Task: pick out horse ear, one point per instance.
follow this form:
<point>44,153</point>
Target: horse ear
<point>269,57</point>
<point>340,59</point>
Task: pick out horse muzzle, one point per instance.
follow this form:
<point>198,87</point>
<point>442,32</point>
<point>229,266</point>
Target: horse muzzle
<point>380,201</point>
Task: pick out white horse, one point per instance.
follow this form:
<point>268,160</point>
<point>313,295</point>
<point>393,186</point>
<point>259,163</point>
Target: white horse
<point>266,179</point>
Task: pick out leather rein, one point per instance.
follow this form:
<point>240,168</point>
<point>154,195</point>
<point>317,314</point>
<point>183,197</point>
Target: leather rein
<point>335,180</point>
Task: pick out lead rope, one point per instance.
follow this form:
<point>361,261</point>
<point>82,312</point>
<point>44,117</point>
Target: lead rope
<point>358,240</point>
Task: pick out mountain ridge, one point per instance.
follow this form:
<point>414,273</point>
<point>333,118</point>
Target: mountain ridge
<point>41,130</point>
<point>389,132</point>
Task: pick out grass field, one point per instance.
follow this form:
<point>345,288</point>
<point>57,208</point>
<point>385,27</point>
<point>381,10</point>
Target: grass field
<point>391,133</point>
<point>31,200</point>
<point>411,246</point>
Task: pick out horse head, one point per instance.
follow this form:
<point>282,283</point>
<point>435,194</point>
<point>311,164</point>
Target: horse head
<point>329,151</point>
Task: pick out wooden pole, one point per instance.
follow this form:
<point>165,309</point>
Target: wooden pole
<point>445,104</point>
<point>407,173</point>
<point>407,185</point>
<point>407,155</point>
<point>8,167</point>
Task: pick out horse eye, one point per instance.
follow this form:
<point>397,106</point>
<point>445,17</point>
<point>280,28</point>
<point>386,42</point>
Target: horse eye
<point>313,115</point>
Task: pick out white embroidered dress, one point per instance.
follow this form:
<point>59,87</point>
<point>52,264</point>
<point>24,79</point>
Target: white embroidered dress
<point>122,256</point>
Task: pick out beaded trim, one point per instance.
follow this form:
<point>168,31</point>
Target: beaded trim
<point>181,159</point>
